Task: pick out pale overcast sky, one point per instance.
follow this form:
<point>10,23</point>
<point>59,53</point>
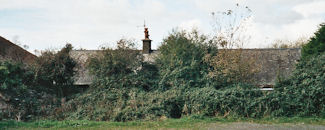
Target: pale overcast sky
<point>88,24</point>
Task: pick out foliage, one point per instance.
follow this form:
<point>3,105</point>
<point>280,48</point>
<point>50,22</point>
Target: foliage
<point>236,100</point>
<point>120,75</point>
<point>21,101</point>
<point>181,59</point>
<point>54,72</point>
<point>190,78</point>
<point>28,89</point>
<point>184,89</point>
<point>316,44</point>
<point>13,87</point>
<point>229,65</point>
<point>126,88</point>
<point>131,104</point>
<point>115,63</point>
<point>303,94</point>
<point>232,66</point>
<point>123,67</point>
<point>13,77</point>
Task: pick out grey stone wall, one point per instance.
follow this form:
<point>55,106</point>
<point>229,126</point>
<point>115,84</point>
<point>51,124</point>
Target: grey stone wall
<point>273,63</point>
<point>81,56</point>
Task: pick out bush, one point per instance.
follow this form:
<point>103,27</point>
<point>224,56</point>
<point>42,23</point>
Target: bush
<point>316,44</point>
<point>237,100</point>
<point>16,89</point>
<point>111,104</point>
<point>126,88</point>
<point>13,77</point>
<point>303,94</point>
<point>54,72</point>
<point>123,67</point>
<point>229,66</point>
<point>13,86</point>
<point>28,89</point>
<point>181,60</point>
<point>121,77</point>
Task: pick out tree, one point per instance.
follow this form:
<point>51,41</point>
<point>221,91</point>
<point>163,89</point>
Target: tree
<point>15,80</point>
<point>316,44</point>
<point>230,27</point>
<point>181,59</point>
<point>229,66</point>
<point>55,71</point>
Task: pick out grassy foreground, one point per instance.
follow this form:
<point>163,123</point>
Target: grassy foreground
<point>183,123</point>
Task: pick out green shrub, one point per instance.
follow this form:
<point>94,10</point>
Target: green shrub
<point>316,44</point>
<point>13,77</point>
<point>13,87</point>
<point>126,88</point>
<point>121,77</point>
<point>28,89</point>
<point>54,72</point>
<point>122,67</point>
<point>181,60</point>
<point>303,94</point>
<point>129,104</point>
<point>237,100</point>
<point>16,88</point>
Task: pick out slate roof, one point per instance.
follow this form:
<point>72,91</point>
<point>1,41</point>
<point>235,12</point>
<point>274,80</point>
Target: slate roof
<point>9,50</point>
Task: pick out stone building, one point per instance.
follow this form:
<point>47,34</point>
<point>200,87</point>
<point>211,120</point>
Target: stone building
<point>274,63</point>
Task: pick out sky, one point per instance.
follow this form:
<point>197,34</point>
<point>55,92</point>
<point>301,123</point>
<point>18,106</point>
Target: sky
<point>91,24</point>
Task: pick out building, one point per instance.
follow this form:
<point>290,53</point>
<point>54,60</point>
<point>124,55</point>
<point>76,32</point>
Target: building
<point>274,63</point>
<point>11,51</point>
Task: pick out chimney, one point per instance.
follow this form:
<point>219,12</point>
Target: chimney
<point>146,47</point>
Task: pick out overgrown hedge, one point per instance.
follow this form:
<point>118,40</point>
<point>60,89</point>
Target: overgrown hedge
<point>54,72</point>
<point>304,93</point>
<point>316,44</point>
<point>179,85</point>
<point>22,100</point>
<point>32,91</point>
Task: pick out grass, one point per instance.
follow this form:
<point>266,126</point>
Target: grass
<point>183,123</point>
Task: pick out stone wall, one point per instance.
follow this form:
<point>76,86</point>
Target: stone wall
<point>273,63</point>
<point>81,56</point>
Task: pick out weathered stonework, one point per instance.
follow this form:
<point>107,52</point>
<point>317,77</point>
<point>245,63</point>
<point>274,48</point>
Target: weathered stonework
<point>273,63</point>
<point>150,57</point>
<point>146,48</point>
<point>81,56</point>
